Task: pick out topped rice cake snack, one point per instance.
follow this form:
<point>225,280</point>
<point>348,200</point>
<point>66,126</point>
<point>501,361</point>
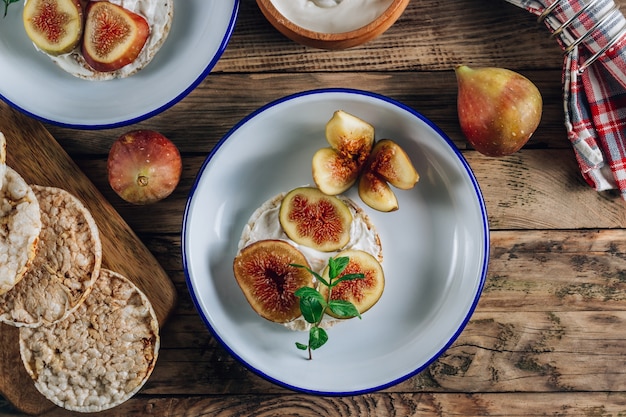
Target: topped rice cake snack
<point>21,224</point>
<point>102,354</point>
<point>67,263</point>
<point>159,15</point>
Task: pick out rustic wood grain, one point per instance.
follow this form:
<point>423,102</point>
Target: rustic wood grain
<point>547,338</point>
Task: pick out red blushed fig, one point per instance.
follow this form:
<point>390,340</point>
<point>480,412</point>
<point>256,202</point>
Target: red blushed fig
<point>265,273</point>
<point>54,26</point>
<point>335,169</point>
<point>498,109</point>
<point>143,166</point>
<point>363,293</point>
<point>113,37</point>
<point>314,219</point>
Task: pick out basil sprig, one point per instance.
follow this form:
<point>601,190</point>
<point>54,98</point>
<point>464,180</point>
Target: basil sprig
<point>313,305</point>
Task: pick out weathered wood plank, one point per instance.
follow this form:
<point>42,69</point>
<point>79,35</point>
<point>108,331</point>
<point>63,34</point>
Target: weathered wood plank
<point>532,189</point>
<point>431,34</point>
<point>372,405</point>
<point>507,351</point>
<point>201,119</point>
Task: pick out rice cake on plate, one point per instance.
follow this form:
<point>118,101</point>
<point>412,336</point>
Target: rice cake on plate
<point>158,13</point>
<point>67,263</point>
<point>101,354</point>
<point>21,225</point>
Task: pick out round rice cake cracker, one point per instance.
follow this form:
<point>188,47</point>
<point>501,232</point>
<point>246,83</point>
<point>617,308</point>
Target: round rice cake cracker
<point>158,13</point>
<point>102,354</point>
<point>67,263</point>
<point>21,225</point>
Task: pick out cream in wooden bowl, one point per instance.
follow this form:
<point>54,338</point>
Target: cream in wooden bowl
<point>332,24</point>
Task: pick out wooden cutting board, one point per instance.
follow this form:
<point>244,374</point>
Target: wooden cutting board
<point>38,157</point>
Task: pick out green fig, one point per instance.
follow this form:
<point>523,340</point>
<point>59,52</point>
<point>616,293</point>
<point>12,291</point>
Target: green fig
<point>498,109</point>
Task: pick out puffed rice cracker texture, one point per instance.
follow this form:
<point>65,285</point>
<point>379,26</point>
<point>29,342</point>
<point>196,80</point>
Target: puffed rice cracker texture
<point>67,263</point>
<point>20,226</point>
<point>99,356</point>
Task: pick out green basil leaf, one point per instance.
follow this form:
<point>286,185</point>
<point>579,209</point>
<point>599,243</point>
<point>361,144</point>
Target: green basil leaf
<point>317,337</point>
<point>309,292</point>
<point>343,309</point>
<point>301,346</point>
<point>337,265</point>
<point>312,309</point>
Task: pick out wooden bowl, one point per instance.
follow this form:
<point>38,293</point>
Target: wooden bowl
<point>332,40</point>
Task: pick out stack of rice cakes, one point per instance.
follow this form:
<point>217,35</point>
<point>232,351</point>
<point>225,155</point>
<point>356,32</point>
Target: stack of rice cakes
<point>88,336</point>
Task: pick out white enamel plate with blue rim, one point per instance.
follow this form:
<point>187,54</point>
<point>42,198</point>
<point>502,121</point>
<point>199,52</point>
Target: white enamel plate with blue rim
<point>32,83</point>
<point>435,246</point>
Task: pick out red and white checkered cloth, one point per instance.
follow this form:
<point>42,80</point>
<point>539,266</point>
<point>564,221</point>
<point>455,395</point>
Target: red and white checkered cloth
<point>594,99</point>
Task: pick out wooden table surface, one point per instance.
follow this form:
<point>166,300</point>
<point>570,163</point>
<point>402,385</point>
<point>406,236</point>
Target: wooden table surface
<point>548,337</point>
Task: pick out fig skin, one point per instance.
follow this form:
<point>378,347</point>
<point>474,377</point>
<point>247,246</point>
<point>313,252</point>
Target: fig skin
<point>314,219</point>
<point>143,166</point>
<point>54,26</point>
<point>376,192</point>
<point>333,172</point>
<point>393,164</point>
<point>268,280</point>
<point>108,50</point>
<point>363,293</point>
<point>498,109</point>
<point>336,169</point>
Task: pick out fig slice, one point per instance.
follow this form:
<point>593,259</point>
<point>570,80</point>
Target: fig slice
<point>376,192</point>
<point>333,173</point>
<point>393,164</point>
<point>314,219</point>
<point>54,26</point>
<point>268,280</point>
<point>363,293</point>
<point>335,169</point>
<point>114,36</point>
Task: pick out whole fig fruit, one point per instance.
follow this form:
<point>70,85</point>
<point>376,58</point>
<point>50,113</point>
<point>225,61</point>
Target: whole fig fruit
<point>498,109</point>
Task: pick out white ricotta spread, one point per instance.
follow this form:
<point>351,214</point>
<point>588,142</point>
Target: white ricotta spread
<point>331,16</point>
<point>264,224</point>
<point>158,13</point>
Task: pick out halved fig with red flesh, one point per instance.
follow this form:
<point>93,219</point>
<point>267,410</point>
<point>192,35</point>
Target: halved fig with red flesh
<point>114,36</point>
<point>363,293</point>
<point>376,192</point>
<point>311,218</point>
<point>268,280</point>
<point>392,163</point>
<point>335,169</point>
<point>54,26</point>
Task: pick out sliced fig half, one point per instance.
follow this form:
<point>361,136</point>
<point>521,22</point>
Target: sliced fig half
<point>114,36</point>
<point>376,192</point>
<point>54,26</point>
<point>393,164</point>
<point>312,218</point>
<point>268,280</point>
<point>336,169</point>
<point>363,293</point>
